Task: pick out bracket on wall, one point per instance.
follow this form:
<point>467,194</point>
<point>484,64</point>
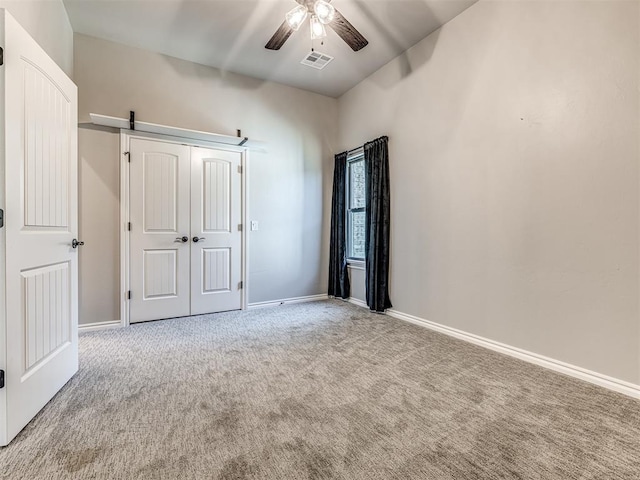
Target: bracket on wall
<point>244,139</point>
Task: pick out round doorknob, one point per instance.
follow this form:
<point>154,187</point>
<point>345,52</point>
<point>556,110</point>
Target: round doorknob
<point>75,243</point>
<point>196,239</point>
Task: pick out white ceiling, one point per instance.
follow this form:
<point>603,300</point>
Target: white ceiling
<point>231,34</point>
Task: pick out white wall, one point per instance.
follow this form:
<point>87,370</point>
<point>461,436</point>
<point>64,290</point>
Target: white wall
<point>47,22</point>
<point>290,186</point>
<point>514,149</point>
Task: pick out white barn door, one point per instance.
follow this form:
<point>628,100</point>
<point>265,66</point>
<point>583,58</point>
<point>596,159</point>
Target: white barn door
<point>216,249</point>
<point>160,240</point>
<point>38,114</point>
<point>186,242</point>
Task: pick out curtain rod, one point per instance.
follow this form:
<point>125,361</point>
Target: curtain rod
<point>353,150</point>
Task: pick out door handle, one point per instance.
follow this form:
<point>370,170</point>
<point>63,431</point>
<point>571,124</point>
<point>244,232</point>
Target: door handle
<point>196,239</point>
<point>75,243</point>
<point>184,239</point>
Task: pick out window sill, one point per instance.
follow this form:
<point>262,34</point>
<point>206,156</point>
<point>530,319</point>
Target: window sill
<point>356,264</point>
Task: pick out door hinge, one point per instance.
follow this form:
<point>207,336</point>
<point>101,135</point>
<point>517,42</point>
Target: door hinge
<point>129,295</point>
<point>239,168</point>
<point>1,378</point>
<point>1,218</point>
<point>1,56</point>
<point>129,226</point>
<point>240,285</point>
<point>239,227</point>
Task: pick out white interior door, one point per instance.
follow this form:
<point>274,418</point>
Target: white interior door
<point>160,218</point>
<point>216,248</point>
<point>39,151</point>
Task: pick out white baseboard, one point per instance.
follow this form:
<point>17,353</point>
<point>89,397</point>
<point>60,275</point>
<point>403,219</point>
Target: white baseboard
<point>620,386</point>
<point>605,381</point>
<point>287,301</point>
<point>358,302</point>
<point>92,327</point>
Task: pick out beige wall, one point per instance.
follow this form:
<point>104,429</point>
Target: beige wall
<point>290,185</point>
<point>47,22</point>
<point>99,211</point>
<point>514,147</point>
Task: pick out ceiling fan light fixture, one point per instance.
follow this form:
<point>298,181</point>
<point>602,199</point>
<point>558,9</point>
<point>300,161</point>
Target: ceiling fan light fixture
<point>317,28</point>
<point>296,17</point>
<point>324,11</point>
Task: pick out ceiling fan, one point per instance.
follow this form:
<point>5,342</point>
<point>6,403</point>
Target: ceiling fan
<point>321,13</point>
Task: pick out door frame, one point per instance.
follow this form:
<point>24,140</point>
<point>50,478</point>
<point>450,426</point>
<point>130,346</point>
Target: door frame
<point>3,246</point>
<point>125,261</point>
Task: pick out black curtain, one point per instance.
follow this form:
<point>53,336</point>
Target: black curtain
<point>338,276</point>
<point>378,208</point>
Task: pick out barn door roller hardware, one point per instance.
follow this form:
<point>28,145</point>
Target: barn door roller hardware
<point>132,120</point>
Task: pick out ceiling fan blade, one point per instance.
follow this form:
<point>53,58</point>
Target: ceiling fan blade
<point>348,32</point>
<point>281,36</point>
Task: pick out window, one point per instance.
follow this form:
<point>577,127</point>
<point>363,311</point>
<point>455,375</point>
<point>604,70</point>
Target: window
<point>355,207</point>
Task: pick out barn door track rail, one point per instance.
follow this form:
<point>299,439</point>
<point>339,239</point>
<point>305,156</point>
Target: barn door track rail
<point>132,124</point>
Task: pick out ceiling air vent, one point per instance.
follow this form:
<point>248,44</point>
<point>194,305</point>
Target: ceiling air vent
<point>316,60</point>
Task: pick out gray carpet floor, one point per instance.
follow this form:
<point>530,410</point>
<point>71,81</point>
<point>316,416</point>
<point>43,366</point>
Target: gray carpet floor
<point>323,390</point>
